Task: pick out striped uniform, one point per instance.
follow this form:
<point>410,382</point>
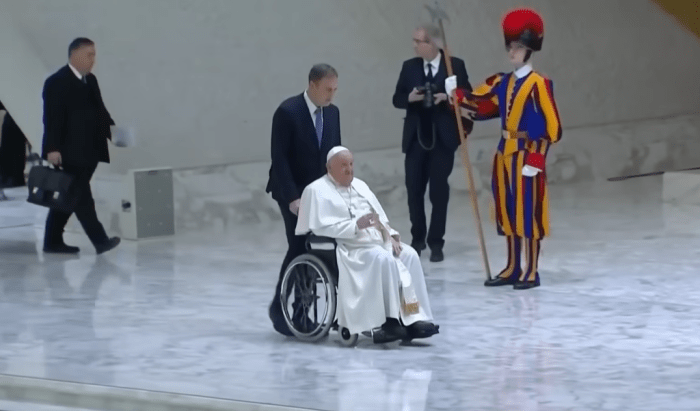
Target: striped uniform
<point>530,124</point>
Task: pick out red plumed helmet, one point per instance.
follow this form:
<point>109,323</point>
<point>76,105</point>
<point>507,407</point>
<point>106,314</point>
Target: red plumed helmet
<point>524,26</point>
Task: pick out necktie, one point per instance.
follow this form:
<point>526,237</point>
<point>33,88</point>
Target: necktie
<point>319,125</point>
<point>429,77</point>
<point>84,80</point>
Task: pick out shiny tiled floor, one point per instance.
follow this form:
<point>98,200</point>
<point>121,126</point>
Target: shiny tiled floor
<point>614,326</point>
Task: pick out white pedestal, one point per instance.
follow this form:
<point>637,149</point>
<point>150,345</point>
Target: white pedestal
<point>147,208</point>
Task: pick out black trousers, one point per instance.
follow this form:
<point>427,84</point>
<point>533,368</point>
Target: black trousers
<point>423,167</point>
<point>296,247</point>
<point>84,210</point>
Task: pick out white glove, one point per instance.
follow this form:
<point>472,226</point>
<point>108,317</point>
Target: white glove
<point>529,171</point>
<point>450,85</point>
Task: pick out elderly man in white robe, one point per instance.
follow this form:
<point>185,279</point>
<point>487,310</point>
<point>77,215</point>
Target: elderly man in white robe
<point>381,287</point>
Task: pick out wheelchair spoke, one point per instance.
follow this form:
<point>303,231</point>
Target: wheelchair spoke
<point>304,281</point>
<point>306,319</point>
<point>316,297</point>
<point>308,283</point>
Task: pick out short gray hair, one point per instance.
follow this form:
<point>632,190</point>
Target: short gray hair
<point>433,32</point>
<point>320,71</point>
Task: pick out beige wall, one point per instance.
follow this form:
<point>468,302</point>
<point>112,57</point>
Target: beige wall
<point>200,79</point>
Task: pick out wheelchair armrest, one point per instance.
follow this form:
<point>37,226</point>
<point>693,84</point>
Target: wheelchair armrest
<point>315,242</point>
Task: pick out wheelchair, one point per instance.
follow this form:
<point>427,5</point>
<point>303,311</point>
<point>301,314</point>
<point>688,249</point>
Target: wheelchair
<point>309,293</point>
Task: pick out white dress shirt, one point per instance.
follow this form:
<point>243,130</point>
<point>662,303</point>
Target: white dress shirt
<point>312,108</point>
<point>76,72</point>
<point>435,63</point>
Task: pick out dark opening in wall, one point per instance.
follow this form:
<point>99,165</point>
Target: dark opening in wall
<point>13,151</point>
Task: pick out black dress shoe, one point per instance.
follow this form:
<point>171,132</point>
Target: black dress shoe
<point>303,323</point>
<point>422,329</point>
<point>109,245</point>
<point>391,331</point>
<point>418,247</point>
<point>524,285</point>
<point>436,255</point>
<point>278,321</point>
<point>499,281</point>
<point>61,249</point>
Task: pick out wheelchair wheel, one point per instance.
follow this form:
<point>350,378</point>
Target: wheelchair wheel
<point>347,339</point>
<point>308,298</point>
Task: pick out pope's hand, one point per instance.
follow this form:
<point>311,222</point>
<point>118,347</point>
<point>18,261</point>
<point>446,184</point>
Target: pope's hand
<point>368,220</point>
<point>450,85</point>
<point>396,245</point>
<point>294,206</point>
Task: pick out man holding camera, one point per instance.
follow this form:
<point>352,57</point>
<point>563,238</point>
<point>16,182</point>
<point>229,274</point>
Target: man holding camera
<point>430,136</point>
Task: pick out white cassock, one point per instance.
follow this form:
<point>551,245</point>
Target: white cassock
<point>373,284</point>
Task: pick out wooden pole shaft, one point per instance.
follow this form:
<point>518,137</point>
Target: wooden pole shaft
<point>655,173</point>
<point>465,158</point>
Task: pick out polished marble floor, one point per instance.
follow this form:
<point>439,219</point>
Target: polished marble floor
<point>615,325</point>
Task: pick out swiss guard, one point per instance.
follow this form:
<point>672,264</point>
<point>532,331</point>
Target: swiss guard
<point>524,101</point>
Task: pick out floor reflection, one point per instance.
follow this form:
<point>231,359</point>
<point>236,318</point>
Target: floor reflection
<point>614,325</point>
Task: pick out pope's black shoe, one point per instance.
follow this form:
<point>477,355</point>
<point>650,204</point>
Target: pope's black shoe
<point>390,331</point>
<point>422,329</point>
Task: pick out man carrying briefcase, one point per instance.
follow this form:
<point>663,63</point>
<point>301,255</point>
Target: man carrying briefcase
<point>52,188</point>
<point>76,128</point>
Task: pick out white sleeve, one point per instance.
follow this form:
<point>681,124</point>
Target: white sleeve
<point>343,229</point>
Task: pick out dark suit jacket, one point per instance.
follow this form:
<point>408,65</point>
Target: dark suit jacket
<point>297,159</point>
<point>413,75</point>
<point>76,121</point>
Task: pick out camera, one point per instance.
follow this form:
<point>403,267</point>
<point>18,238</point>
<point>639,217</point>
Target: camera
<point>428,91</point>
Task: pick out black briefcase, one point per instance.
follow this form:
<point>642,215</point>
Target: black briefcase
<point>52,188</point>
